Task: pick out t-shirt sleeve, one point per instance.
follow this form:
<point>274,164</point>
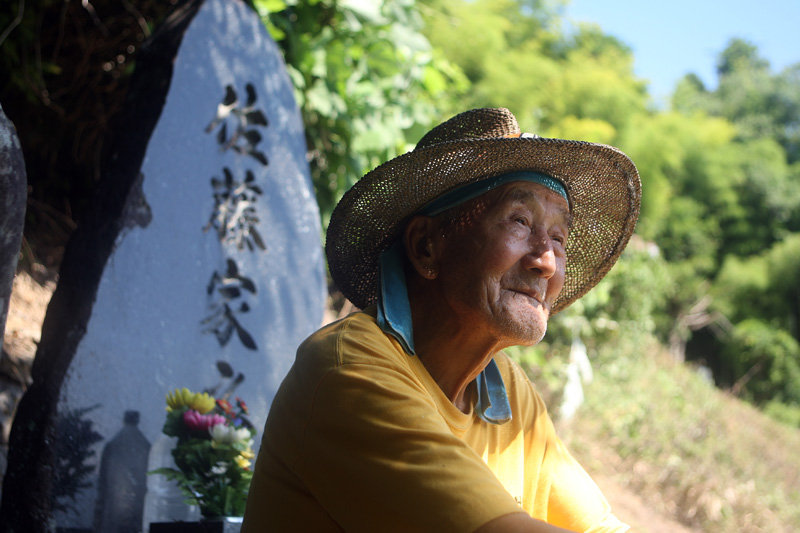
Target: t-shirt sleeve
<point>575,502</point>
<point>570,497</point>
<point>378,456</point>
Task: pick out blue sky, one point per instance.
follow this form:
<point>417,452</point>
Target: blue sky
<point>670,39</point>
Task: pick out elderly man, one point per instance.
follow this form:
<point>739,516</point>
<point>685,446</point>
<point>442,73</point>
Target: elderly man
<point>407,416</point>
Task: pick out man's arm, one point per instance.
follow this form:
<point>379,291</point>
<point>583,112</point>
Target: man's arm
<point>518,523</point>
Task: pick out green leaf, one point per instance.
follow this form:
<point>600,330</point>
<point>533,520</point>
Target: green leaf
<point>169,473</point>
<point>367,10</point>
<point>265,7</point>
<point>320,99</point>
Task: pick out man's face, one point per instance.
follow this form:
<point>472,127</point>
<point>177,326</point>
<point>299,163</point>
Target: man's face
<point>503,261</point>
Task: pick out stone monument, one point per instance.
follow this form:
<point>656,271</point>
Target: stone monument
<point>12,211</point>
<point>212,260</point>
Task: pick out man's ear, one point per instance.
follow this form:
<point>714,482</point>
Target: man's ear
<point>421,246</point>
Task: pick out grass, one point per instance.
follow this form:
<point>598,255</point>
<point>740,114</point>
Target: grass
<point>713,462</point>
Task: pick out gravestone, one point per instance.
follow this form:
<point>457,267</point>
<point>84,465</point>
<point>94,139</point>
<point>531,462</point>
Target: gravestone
<point>12,211</point>
<point>214,271</point>
<point>12,217</point>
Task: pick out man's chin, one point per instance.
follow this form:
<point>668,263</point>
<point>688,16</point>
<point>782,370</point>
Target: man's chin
<point>537,338</point>
<point>530,332</point>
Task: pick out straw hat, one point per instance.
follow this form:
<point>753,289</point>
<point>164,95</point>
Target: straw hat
<point>602,184</point>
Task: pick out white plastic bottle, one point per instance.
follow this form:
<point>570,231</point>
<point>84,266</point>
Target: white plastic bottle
<point>164,501</point>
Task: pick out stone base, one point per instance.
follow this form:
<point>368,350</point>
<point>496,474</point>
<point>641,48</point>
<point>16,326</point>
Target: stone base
<point>222,525</point>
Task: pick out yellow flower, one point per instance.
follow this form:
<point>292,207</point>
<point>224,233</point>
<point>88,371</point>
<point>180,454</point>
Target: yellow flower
<point>199,401</point>
<point>248,453</point>
<point>242,462</point>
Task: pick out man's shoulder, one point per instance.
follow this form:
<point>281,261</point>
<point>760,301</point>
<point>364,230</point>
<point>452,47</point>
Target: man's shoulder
<point>333,351</point>
<point>350,340</point>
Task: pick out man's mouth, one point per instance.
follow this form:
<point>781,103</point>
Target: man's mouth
<point>531,294</point>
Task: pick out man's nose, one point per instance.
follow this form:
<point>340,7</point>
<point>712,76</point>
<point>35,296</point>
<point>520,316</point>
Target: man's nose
<point>541,257</point>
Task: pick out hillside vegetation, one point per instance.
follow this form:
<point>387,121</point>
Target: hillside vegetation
<point>712,461</point>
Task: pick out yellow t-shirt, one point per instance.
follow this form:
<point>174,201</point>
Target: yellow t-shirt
<point>361,438</point>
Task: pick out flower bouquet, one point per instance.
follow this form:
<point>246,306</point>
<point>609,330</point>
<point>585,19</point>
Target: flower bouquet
<point>213,452</point>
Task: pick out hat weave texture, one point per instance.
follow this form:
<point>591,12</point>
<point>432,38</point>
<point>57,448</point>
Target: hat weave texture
<point>602,184</point>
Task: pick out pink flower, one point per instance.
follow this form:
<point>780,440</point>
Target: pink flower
<point>201,423</point>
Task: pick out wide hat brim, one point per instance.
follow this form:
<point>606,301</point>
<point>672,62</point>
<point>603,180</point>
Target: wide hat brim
<point>602,184</point>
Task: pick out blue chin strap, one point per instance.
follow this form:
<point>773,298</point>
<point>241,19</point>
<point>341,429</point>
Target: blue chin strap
<point>394,310</point>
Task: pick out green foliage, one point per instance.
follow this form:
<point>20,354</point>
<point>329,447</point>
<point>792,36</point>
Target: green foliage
<point>783,261</point>
<point>208,476</point>
<point>761,294</point>
<point>680,156</point>
<point>767,199</point>
<point>721,201</point>
<point>447,22</point>
<point>595,82</point>
<point>366,80</point>
<point>690,236</point>
<point>783,413</point>
<point>517,57</point>
<point>75,438</point>
<point>766,285</point>
<point>759,103</point>
<point>740,56</point>
<point>640,311</point>
<point>768,359</point>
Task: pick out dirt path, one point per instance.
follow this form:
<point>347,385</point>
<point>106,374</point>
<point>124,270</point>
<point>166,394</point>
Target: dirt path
<point>632,509</point>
